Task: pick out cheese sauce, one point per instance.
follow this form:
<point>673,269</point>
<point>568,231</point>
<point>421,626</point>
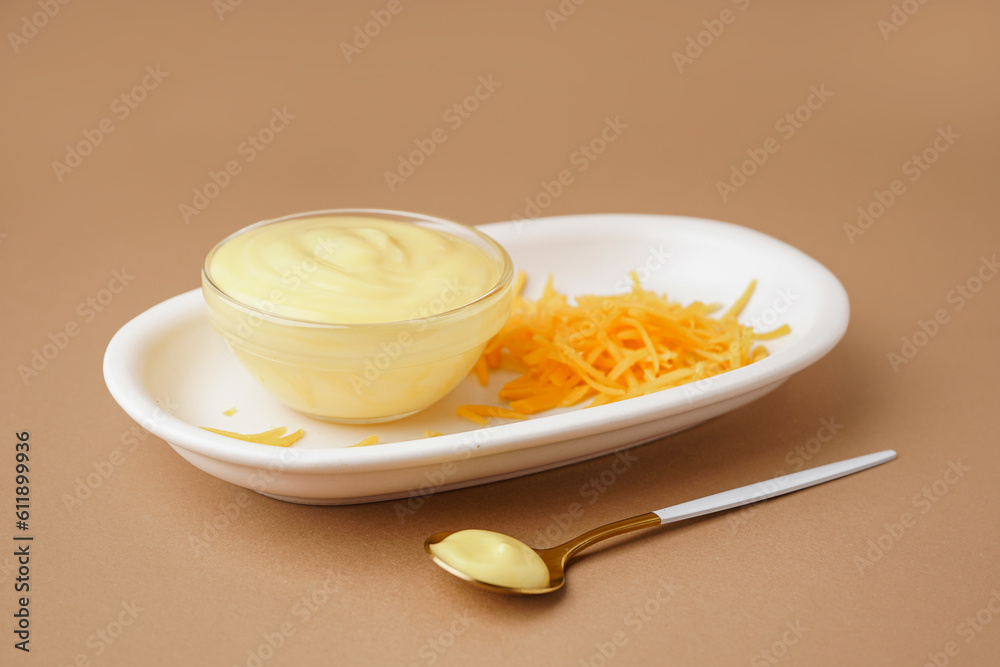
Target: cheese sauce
<point>352,317</point>
<point>493,558</point>
<point>348,270</point>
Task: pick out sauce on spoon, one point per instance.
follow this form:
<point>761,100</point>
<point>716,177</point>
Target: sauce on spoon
<point>493,558</point>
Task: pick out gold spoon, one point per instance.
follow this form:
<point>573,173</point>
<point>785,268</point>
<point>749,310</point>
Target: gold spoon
<point>501,563</point>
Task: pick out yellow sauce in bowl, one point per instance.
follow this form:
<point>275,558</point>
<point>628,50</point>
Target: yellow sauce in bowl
<point>357,316</point>
<point>352,269</point>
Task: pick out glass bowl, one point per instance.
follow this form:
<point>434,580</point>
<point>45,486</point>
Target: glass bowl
<point>362,372</point>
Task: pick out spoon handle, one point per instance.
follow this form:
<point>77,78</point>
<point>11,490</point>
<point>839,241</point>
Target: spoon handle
<point>753,493</point>
<point>723,501</point>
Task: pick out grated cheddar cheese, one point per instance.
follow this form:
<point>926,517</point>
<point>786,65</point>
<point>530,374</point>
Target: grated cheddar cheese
<point>610,348</point>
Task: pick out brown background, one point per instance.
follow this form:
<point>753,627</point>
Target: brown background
<point>745,578</point>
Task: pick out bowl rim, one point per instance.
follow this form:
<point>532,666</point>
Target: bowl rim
<point>504,260</point>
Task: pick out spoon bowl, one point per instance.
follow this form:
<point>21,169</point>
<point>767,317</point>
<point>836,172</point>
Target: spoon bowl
<point>555,565</point>
<point>507,562</point>
<point>554,558</point>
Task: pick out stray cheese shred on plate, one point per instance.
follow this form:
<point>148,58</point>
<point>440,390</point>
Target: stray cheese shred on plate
<point>366,442</point>
<point>609,348</point>
<point>275,437</point>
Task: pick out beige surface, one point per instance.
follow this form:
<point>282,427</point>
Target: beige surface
<point>719,591</point>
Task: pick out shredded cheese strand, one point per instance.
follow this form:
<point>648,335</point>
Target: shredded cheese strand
<point>275,437</point>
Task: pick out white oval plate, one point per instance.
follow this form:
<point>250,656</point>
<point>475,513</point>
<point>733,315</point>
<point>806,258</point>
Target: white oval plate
<point>173,374</point>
